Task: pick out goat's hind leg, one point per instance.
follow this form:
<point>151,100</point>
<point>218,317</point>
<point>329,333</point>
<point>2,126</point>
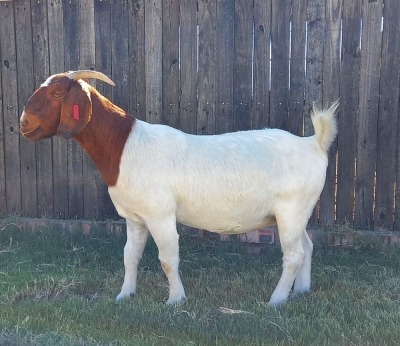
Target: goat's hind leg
<point>302,283</point>
<point>137,235</point>
<point>290,234</point>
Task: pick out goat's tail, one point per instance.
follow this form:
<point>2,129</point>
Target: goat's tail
<point>325,126</point>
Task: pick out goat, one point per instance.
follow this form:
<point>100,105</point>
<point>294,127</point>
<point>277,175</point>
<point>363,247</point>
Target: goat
<point>158,176</point>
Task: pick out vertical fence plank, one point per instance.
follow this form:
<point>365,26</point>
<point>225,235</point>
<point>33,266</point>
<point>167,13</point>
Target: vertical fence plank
<point>262,29</point>
<point>102,24</point>
<point>41,73</point>
<point>280,33</point>
<point>71,60</point>
<point>207,67</point>
<point>60,148</point>
<point>153,56</point>
<point>120,59</point>
<point>371,41</point>
<point>224,57</point>
<point>91,176</point>
<point>332,50</point>
<point>170,63</point>
<point>3,204</point>
<point>396,225</point>
<point>348,109</point>
<point>71,34</point>
<point>314,59</point>
<point>388,117</point>
<point>23,32</point>
<point>12,160</point>
<point>330,93</point>
<point>297,66</point>
<point>86,36</point>
<point>242,78</point>
<point>40,41</point>
<point>188,49</point>
<point>102,29</point>
<point>137,75</point>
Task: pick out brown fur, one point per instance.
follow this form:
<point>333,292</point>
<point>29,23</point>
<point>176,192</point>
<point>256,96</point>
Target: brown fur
<point>105,135</point>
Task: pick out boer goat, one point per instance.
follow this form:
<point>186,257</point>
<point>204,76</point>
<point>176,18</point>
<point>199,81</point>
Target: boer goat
<point>158,176</point>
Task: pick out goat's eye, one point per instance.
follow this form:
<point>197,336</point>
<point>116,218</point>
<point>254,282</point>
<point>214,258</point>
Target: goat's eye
<point>56,95</point>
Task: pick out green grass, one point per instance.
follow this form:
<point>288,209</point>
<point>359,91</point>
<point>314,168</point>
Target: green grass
<point>59,289</point>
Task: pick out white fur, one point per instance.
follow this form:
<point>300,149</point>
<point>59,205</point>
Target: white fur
<point>47,82</point>
<point>230,183</point>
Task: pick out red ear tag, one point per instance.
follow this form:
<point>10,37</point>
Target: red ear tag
<point>76,112</point>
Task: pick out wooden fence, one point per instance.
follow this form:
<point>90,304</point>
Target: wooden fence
<point>209,66</point>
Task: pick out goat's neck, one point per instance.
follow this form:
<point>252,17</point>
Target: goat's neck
<point>105,136</point>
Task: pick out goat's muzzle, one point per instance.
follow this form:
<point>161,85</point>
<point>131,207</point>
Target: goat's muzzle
<point>29,128</point>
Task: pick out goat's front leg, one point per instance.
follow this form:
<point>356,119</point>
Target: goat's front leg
<point>166,238</point>
<point>137,235</point>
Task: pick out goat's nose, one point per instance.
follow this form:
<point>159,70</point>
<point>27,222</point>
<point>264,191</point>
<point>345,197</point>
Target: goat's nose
<point>23,122</point>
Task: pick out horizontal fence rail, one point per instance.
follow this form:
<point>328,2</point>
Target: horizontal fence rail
<point>209,67</point>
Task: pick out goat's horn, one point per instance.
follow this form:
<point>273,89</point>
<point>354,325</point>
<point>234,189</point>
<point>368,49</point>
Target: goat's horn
<point>75,75</point>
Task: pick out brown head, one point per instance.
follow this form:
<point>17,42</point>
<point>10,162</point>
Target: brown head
<point>61,105</point>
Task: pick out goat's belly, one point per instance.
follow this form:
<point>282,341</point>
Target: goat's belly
<point>224,222</point>
<point>229,227</point>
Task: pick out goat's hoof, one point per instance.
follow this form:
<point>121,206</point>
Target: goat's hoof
<point>301,289</point>
<point>123,296</point>
<point>273,305</point>
<point>299,294</point>
<point>276,303</point>
<point>176,301</point>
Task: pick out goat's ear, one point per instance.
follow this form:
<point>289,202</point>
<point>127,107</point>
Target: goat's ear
<point>76,110</point>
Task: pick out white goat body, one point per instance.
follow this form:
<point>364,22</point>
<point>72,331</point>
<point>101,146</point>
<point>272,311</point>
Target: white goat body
<point>158,176</point>
<point>229,183</point>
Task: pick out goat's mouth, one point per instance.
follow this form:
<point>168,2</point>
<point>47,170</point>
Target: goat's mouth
<point>30,134</point>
